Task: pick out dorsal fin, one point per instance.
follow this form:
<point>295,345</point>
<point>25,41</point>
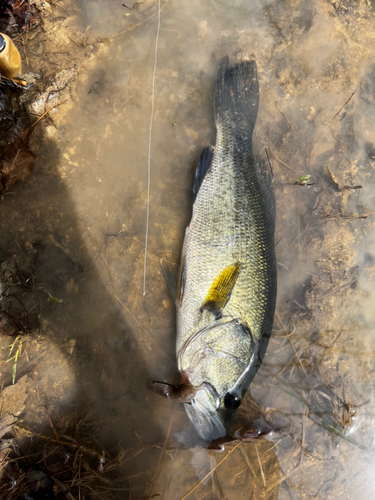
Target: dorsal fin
<point>203,167</point>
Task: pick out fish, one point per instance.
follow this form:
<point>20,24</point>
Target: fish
<point>225,287</point>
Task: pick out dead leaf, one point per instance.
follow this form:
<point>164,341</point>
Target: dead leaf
<point>13,397</point>
<point>6,423</point>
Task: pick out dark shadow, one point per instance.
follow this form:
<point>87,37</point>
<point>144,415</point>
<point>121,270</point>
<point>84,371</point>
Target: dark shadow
<point>81,349</point>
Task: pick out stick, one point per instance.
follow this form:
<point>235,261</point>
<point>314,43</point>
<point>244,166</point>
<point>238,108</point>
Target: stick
<point>269,161</point>
<point>247,460</point>
<point>330,121</point>
<point>139,24</point>
<point>46,112</point>
<point>285,165</point>
<point>260,465</point>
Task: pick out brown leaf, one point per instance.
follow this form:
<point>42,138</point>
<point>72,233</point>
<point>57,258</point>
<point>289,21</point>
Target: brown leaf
<point>6,423</point>
<point>17,170</point>
<point>13,397</point>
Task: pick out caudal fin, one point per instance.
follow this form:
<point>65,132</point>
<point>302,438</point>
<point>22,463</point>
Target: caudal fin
<point>237,100</point>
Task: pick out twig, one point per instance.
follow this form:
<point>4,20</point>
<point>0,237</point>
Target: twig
<point>339,187</point>
<point>285,118</point>
<point>247,460</point>
<point>285,165</point>
<point>66,443</point>
<point>15,158</point>
<point>206,494</point>
<point>139,24</point>
<point>272,447</point>
<point>330,121</point>
<point>269,161</point>
<point>260,465</point>
<point>52,426</point>
<point>342,107</point>
<point>305,415</point>
<point>123,104</point>
<point>43,115</point>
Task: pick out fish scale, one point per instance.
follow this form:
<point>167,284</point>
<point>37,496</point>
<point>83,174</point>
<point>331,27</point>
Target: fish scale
<point>228,224</point>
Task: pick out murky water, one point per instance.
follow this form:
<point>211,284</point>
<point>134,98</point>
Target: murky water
<point>81,219</point>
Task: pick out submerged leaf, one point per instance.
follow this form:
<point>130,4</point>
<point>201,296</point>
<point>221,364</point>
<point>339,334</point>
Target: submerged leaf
<point>54,299</point>
<point>303,180</point>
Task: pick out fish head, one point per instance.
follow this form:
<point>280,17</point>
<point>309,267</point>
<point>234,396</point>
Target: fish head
<point>210,414</point>
<point>220,363</point>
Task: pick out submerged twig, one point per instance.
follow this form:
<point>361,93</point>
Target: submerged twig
<point>286,119</point>
<point>269,161</point>
<point>52,426</point>
<point>339,187</point>
<point>45,113</point>
<point>260,465</point>
<point>139,24</point>
<point>244,454</point>
<point>284,164</point>
<point>330,121</point>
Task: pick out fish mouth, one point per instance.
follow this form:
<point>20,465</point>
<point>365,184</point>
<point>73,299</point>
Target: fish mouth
<point>203,414</point>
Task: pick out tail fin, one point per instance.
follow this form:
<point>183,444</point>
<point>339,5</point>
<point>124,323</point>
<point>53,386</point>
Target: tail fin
<point>237,100</point>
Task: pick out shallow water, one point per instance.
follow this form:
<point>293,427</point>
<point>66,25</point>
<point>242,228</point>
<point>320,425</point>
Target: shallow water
<point>82,218</point>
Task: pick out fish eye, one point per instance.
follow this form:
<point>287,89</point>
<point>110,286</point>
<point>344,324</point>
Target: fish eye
<point>232,401</point>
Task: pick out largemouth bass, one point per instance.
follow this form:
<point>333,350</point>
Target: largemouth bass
<point>226,289</point>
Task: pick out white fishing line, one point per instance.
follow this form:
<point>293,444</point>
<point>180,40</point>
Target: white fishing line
<point>149,152</point>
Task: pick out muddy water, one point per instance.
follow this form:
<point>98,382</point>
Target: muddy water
<point>82,220</point>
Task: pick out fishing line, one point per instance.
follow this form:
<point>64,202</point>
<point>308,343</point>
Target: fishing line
<point>149,152</point>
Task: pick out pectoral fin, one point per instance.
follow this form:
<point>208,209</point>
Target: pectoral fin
<point>221,289</point>
<point>182,393</point>
<point>170,271</point>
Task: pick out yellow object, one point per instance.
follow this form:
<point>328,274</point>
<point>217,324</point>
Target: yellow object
<point>221,289</point>
<point>10,59</point>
